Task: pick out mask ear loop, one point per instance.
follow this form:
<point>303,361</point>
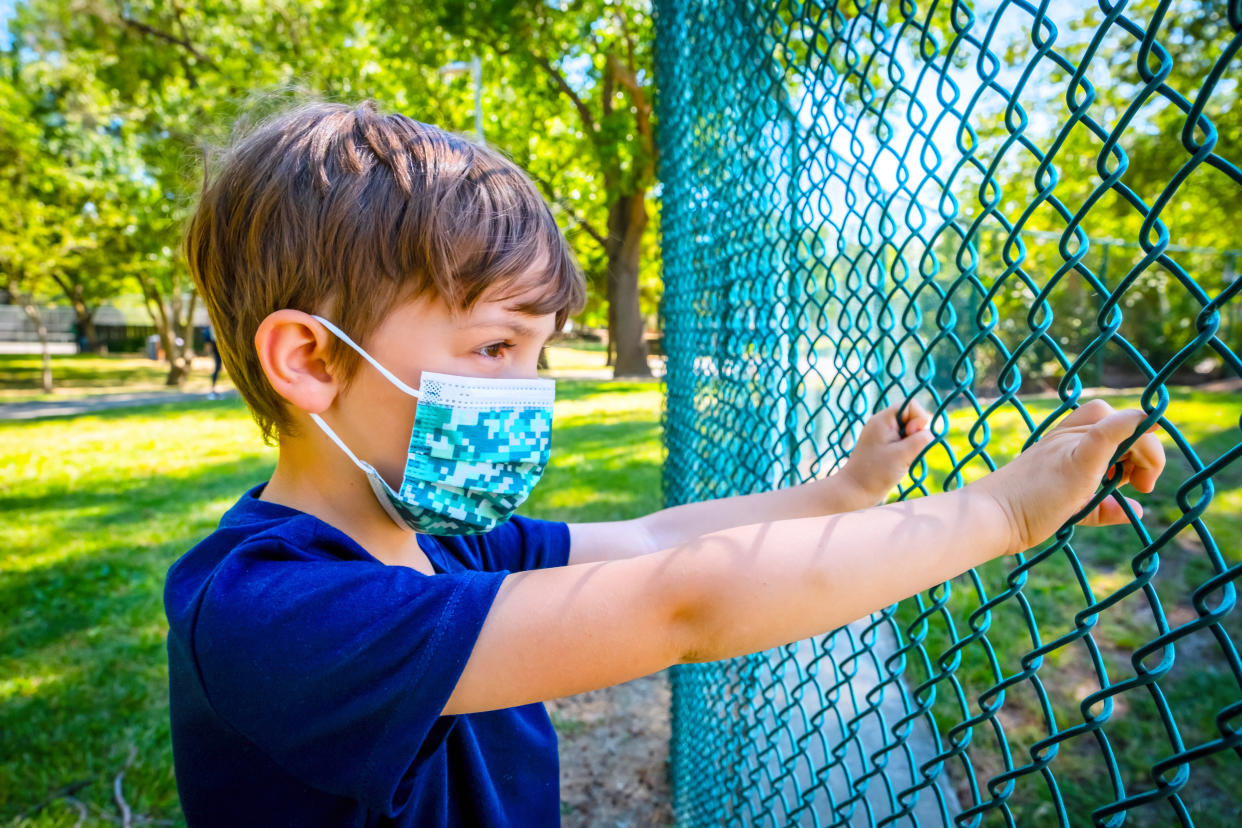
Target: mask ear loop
<point>362,464</point>
<point>371,474</point>
<point>366,467</point>
<point>389,375</point>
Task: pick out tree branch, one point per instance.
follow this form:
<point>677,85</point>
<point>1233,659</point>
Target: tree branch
<point>584,111</point>
<point>190,75</point>
<point>550,192</point>
<point>168,38</point>
<point>61,283</point>
<point>628,78</point>
<point>606,92</point>
<point>629,39</point>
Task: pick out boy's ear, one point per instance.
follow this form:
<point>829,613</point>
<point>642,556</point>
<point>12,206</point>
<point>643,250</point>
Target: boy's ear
<point>293,350</point>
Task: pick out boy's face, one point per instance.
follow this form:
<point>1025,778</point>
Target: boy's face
<point>491,339</point>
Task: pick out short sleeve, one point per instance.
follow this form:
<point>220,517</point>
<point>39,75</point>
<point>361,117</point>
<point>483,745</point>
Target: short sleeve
<point>338,669</point>
<point>518,544</point>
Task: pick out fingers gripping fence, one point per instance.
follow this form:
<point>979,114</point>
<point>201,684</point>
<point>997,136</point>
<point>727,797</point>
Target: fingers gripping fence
<point>1001,211</point>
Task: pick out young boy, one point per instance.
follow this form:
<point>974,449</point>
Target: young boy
<point>368,636</point>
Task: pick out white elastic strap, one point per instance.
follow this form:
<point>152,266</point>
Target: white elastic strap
<point>332,434</point>
<point>389,374</point>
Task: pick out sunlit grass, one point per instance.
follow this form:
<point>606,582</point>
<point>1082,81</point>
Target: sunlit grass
<point>577,356</point>
<point>81,375</point>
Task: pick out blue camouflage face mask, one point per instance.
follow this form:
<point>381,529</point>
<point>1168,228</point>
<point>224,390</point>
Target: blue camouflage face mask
<point>478,447</point>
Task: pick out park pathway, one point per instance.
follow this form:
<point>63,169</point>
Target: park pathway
<point>99,402</point>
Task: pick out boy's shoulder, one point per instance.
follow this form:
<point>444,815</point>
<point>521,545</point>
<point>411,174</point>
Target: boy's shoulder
<point>251,533</point>
<point>255,523</point>
<point>258,541</point>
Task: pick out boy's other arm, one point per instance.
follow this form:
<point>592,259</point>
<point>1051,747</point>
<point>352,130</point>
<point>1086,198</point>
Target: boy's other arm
<point>615,540</point>
<point>563,630</point>
<point>880,458</point>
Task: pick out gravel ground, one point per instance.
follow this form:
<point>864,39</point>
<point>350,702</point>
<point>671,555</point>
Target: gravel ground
<point>614,755</point>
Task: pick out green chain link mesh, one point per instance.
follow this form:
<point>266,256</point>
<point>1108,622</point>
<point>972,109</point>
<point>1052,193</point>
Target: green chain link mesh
<point>996,210</point>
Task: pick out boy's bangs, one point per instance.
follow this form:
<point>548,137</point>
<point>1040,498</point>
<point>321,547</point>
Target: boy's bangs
<point>546,284</point>
<point>521,252</point>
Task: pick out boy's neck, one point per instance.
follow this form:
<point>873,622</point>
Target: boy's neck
<point>321,481</point>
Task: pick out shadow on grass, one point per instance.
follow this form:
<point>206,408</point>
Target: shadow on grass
<point>68,591</point>
<point>25,371</point>
<point>85,640</point>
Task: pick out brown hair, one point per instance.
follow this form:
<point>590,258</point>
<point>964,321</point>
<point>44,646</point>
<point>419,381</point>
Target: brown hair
<point>342,211</point>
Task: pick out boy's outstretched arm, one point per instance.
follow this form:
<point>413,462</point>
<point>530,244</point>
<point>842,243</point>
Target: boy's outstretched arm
<point>879,460</point>
<point>554,632</point>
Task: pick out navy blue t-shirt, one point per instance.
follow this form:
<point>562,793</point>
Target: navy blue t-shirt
<point>307,679</point>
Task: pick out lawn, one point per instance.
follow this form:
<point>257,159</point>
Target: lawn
<point>94,509</point>
<point>81,375</point>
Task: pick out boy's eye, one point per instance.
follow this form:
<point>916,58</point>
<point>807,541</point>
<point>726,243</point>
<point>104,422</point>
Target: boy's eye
<point>496,350</point>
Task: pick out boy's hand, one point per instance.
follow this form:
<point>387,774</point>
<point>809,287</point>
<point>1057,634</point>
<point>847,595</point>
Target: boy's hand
<point>1053,479</point>
<point>881,457</point>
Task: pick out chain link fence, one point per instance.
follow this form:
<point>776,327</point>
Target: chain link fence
<point>1000,210</point>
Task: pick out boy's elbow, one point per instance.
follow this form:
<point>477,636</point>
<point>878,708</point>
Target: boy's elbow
<point>693,601</point>
<point>692,641</point>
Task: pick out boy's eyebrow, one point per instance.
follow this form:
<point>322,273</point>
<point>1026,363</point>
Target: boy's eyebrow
<point>519,328</point>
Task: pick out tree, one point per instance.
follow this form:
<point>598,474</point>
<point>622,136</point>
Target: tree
<point>577,116</point>
<point>585,79</point>
<point>80,156</point>
<point>1106,188</point>
<point>29,224</point>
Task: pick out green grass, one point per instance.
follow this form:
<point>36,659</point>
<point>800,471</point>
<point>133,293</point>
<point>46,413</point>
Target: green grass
<point>94,509</point>
<point>577,356</point>
<point>1198,686</point>
<point>80,375</point>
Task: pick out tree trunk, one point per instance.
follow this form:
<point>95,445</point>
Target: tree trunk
<point>167,321</point>
<point>608,349</point>
<point>47,356</point>
<point>32,312</point>
<point>178,356</point>
<point>178,366</point>
<point>85,313</point>
<point>627,218</point>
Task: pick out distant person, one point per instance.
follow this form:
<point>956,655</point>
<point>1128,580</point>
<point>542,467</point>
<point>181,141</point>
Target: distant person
<point>369,635</point>
<point>209,342</point>
<point>79,335</point>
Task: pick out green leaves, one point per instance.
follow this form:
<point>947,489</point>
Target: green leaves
<point>112,107</point>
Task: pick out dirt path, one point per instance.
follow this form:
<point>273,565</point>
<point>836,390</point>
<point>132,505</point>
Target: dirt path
<point>614,754</point>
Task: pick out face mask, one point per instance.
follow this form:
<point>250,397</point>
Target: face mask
<point>477,449</point>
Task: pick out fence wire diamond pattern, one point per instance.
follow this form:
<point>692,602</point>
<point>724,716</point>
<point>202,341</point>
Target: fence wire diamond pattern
<point>1002,211</point>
